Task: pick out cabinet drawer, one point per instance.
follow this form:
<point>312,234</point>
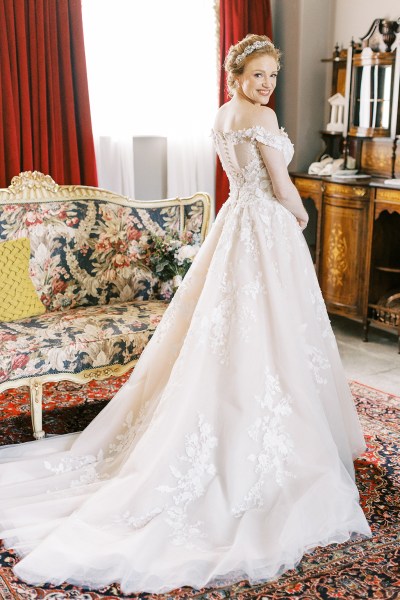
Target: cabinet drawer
<point>347,191</point>
<point>388,195</point>
<point>307,185</point>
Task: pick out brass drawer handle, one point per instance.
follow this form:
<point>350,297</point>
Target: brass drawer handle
<point>359,191</point>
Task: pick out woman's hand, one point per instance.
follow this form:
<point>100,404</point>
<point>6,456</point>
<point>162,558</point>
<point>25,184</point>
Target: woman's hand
<point>303,223</point>
<point>284,189</point>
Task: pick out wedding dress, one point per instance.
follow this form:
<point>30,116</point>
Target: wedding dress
<point>229,452</point>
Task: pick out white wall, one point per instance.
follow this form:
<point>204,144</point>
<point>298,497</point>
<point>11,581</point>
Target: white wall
<point>354,18</point>
<point>302,32</point>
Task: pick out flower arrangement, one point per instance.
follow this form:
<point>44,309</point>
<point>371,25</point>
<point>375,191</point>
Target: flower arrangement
<point>170,255</point>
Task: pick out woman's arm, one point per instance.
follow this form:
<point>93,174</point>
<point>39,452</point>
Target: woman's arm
<point>282,185</point>
<point>274,160</point>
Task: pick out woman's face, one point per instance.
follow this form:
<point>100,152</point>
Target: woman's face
<point>258,79</point>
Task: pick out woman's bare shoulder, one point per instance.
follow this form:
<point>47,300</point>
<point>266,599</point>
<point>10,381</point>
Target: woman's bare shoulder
<point>222,116</point>
<point>266,117</point>
<point>234,117</point>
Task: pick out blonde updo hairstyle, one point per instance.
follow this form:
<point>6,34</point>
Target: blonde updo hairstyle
<point>233,69</point>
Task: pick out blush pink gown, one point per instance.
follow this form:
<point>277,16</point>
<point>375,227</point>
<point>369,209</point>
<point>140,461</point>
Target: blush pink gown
<point>229,452</point>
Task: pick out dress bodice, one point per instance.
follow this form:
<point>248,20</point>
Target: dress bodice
<point>241,159</point>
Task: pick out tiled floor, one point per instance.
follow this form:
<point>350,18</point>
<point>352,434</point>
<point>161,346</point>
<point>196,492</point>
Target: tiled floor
<point>375,363</point>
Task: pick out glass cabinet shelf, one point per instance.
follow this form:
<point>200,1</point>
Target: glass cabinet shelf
<point>371,97</point>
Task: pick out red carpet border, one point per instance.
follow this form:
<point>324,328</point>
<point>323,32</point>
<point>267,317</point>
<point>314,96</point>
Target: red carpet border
<point>358,569</point>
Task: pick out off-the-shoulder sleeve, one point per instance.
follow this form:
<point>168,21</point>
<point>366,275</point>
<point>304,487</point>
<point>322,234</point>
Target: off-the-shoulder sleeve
<point>274,140</point>
<point>279,141</point>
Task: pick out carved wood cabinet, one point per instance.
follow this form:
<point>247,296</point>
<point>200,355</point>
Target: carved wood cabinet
<point>356,247</point>
<point>354,228</point>
<point>344,234</point>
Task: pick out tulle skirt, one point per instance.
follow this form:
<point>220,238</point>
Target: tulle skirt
<point>229,452</point>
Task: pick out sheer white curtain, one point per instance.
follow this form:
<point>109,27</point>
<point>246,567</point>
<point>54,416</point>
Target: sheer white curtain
<point>152,71</point>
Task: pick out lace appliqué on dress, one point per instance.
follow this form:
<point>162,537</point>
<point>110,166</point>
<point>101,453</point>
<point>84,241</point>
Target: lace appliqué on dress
<point>130,429</point>
<point>317,362</point>
<point>85,464</point>
<point>235,306</point>
<point>137,522</point>
<point>274,442</point>
<point>322,316</point>
<point>181,306</point>
<point>190,484</point>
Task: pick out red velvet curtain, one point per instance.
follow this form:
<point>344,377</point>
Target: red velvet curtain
<point>45,121</point>
<point>237,19</point>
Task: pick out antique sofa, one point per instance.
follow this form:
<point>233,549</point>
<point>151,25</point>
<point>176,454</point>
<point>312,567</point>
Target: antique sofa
<point>101,305</point>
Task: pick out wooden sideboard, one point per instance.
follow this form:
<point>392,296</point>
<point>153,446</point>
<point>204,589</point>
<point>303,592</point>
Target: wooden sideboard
<point>355,245</point>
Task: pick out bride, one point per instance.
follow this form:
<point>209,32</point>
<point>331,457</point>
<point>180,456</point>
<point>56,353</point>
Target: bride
<point>229,452</point>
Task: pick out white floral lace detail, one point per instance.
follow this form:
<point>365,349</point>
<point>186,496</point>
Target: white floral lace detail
<point>258,133</point>
<point>274,442</point>
<point>247,236</point>
<point>90,468</point>
<point>85,464</point>
<point>254,288</point>
<point>214,327</point>
<point>137,522</point>
<point>190,484</point>
<point>234,306</point>
<point>180,307</point>
<point>250,185</point>
<point>70,463</point>
<point>321,314</point>
<point>130,429</point>
<point>317,362</point>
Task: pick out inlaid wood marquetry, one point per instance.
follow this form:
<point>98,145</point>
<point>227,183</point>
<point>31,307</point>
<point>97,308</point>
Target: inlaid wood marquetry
<point>376,158</point>
<point>386,200</point>
<point>308,185</point>
<point>390,195</point>
<point>336,256</point>
<point>345,191</point>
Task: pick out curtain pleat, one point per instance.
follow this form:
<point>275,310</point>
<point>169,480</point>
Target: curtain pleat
<point>45,121</point>
<point>237,18</point>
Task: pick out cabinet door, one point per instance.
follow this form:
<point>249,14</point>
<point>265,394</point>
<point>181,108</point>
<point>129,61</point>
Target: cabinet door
<point>345,249</point>
<point>310,190</point>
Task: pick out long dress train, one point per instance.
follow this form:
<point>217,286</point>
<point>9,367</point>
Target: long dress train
<point>228,453</point>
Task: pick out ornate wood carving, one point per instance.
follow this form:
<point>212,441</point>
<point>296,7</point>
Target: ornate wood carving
<point>388,207</point>
<point>30,180</point>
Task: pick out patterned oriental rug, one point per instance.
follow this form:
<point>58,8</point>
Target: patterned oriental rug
<point>358,569</point>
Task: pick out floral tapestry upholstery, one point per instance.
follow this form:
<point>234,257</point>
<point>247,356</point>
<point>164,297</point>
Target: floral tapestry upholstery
<point>87,252</point>
<point>82,338</point>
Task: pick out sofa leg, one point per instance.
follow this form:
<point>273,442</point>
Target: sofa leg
<point>36,408</point>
